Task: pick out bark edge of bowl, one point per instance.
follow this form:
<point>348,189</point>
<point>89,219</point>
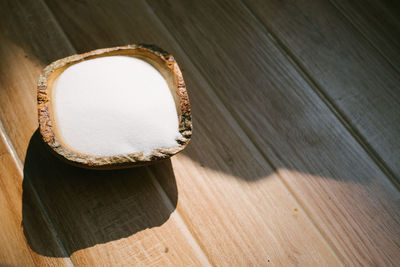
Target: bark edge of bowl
<point>160,59</point>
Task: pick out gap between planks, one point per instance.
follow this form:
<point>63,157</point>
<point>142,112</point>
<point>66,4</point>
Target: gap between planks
<point>167,202</point>
<point>179,221</point>
<point>317,89</point>
<point>20,169</point>
<point>351,22</point>
<point>11,149</point>
<point>250,142</point>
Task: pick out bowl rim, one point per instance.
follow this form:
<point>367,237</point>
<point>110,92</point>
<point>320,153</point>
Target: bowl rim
<point>47,125</point>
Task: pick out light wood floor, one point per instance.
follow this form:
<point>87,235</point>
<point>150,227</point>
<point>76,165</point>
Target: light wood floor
<point>295,158</point>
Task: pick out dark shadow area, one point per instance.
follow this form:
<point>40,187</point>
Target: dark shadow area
<point>289,144</point>
<point>21,23</point>
<point>88,207</point>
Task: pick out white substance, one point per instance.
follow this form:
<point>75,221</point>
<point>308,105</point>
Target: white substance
<point>114,105</point>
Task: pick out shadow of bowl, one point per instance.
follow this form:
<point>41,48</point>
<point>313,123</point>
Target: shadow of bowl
<point>87,207</point>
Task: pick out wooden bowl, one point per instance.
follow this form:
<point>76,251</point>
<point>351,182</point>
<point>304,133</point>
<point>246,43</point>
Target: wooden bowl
<point>162,61</point>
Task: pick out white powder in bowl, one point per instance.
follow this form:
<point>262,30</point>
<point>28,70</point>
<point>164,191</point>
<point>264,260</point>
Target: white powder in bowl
<point>114,105</point>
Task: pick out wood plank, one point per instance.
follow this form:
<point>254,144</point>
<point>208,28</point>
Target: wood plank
<point>14,250</point>
<point>378,21</point>
<point>88,223</point>
<point>349,71</point>
<point>105,217</point>
<point>234,204</point>
<point>27,42</point>
<point>344,192</point>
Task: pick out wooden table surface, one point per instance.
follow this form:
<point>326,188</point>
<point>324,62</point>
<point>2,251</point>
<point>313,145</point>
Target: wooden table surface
<point>295,158</point>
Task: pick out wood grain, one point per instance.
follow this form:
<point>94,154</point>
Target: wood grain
<point>219,194</point>
<point>14,249</point>
<point>84,216</point>
<point>271,175</point>
<point>378,21</point>
<point>330,174</point>
<point>22,51</point>
<point>347,70</point>
<point>105,217</point>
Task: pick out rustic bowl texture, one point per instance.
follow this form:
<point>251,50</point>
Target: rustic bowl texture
<point>161,60</point>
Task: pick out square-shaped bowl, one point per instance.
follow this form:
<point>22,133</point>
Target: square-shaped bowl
<point>158,58</point>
